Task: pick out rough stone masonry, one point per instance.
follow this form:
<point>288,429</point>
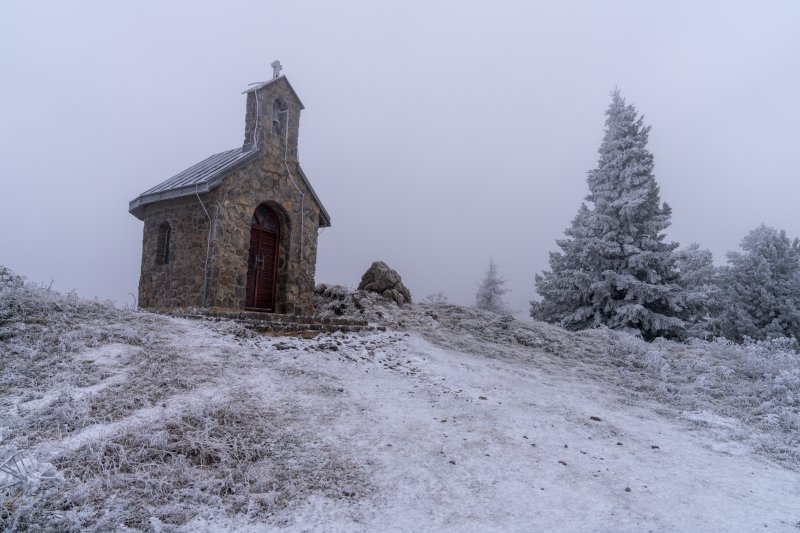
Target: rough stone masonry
<point>197,224</point>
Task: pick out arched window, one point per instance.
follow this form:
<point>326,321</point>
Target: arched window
<point>280,114</point>
<point>265,218</point>
<point>162,244</point>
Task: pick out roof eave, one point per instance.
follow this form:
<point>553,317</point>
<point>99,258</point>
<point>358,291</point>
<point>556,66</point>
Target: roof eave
<point>136,206</point>
<point>325,218</point>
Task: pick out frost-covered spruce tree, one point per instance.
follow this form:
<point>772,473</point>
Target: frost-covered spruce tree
<point>762,287</point>
<point>614,268</point>
<point>491,290</point>
<point>699,280</point>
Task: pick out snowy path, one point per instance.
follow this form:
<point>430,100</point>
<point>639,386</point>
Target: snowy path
<point>529,456</point>
<point>406,435</point>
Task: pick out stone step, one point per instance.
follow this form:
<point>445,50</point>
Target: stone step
<point>276,318</point>
<point>277,324</point>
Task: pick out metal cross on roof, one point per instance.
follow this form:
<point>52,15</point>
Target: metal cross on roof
<point>276,69</point>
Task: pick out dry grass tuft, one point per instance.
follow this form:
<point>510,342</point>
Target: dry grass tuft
<point>235,456</point>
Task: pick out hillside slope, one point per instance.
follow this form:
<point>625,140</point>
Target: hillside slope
<point>453,419</point>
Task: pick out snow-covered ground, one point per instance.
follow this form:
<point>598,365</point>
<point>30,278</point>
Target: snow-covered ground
<point>452,419</point>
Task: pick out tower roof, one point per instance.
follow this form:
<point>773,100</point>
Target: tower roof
<point>259,85</point>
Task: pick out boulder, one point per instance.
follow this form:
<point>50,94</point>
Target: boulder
<point>381,279</point>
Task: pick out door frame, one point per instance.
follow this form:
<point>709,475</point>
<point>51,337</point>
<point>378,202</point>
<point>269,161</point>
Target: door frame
<point>258,227</point>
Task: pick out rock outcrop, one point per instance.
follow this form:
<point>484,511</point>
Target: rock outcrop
<point>383,280</point>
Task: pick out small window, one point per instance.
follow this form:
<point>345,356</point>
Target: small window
<point>280,113</point>
<point>162,246</point>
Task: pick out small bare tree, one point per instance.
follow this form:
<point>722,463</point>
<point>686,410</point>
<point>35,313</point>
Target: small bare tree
<point>490,293</point>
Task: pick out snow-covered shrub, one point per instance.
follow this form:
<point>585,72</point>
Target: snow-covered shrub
<point>436,298</point>
<point>757,383</point>
<point>331,292</point>
<point>762,287</point>
<point>48,329</point>
<point>764,358</point>
<point>8,279</point>
<point>339,301</point>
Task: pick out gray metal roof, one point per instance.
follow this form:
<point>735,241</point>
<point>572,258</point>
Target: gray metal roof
<point>206,175</point>
<point>198,178</point>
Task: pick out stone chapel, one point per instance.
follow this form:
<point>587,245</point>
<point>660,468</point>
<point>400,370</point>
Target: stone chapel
<point>238,230</point>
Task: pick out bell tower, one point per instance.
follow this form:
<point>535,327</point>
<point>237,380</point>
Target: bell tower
<point>272,117</point>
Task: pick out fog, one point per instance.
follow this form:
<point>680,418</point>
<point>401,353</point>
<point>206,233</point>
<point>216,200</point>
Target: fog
<point>437,134</point>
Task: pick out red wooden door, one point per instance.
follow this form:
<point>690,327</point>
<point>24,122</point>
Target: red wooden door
<point>262,270</point>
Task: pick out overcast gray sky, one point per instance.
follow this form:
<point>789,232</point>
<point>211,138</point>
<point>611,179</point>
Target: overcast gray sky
<point>437,134</point>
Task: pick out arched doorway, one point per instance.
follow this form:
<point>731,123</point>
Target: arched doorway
<point>262,260</point>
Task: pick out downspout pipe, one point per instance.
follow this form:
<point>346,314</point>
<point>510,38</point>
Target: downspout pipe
<point>208,248</point>
<point>291,178</point>
<point>208,216</point>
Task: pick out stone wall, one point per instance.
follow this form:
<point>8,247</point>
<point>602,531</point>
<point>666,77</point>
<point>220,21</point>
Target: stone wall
<point>272,145</point>
<point>262,181</point>
<point>178,282</point>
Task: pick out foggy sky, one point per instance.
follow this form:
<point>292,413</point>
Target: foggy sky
<point>437,134</point>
